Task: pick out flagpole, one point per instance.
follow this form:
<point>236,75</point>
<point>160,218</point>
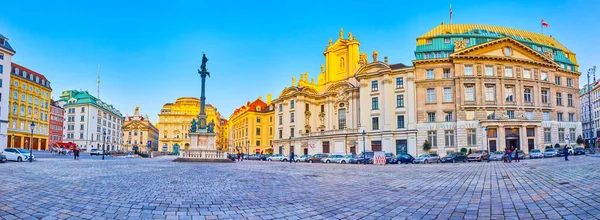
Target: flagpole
<point>541,23</point>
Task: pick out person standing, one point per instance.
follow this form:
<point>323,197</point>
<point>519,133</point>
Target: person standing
<point>566,152</point>
<point>508,154</point>
<point>291,156</point>
<point>517,155</point>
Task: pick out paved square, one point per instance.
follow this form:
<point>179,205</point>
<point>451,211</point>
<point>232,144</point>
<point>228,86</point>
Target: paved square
<point>159,188</point>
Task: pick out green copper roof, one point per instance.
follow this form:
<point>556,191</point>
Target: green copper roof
<point>83,98</point>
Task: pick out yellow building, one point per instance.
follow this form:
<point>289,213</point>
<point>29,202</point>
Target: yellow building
<point>137,131</point>
<point>174,122</point>
<point>29,103</point>
<point>223,138</point>
<point>251,127</point>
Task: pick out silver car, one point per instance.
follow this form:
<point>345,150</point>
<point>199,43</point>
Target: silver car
<point>347,158</point>
<point>302,158</point>
<point>498,155</point>
<point>427,158</point>
<point>535,153</point>
<point>550,152</point>
<point>332,159</point>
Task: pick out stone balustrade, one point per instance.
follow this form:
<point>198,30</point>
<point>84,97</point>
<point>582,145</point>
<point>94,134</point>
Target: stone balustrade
<point>203,154</point>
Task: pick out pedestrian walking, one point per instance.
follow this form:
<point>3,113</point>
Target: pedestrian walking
<point>517,156</point>
<point>566,152</point>
<point>76,154</point>
<point>292,157</point>
<point>509,156</point>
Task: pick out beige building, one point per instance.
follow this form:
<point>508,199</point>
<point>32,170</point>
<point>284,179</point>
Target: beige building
<point>137,131</point>
<point>520,86</point>
<point>350,96</point>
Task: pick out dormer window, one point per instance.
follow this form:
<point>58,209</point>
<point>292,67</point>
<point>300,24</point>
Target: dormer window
<point>428,41</point>
<point>507,51</point>
<point>446,40</point>
<point>258,108</point>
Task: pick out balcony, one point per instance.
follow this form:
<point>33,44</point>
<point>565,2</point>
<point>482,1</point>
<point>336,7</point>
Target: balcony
<point>331,132</point>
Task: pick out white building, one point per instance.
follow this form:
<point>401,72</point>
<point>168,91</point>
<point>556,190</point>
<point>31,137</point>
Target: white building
<point>90,122</point>
<point>6,53</point>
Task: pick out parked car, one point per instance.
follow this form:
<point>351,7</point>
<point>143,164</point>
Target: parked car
<point>277,157</point>
<point>389,157</point>
<point>303,158</point>
<point>535,153</point>
<point>579,151</point>
<point>550,152</point>
<point>368,157</point>
<point>521,155</point>
<point>254,157</point>
<point>316,158</point>
<point>478,155</point>
<point>498,155</point>
<point>2,158</point>
<point>264,157</point>
<point>332,158</point>
<point>403,158</point>
<point>427,158</point>
<point>17,154</point>
<point>95,152</point>
<point>347,158</point>
<point>454,157</point>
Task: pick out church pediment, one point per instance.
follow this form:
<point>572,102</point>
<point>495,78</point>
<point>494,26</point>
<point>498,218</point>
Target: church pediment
<point>505,48</point>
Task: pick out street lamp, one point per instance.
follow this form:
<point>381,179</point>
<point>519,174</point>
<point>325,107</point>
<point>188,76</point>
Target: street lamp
<point>488,144</point>
<point>103,142</point>
<point>32,126</point>
<point>248,148</point>
<point>364,148</point>
<point>290,138</point>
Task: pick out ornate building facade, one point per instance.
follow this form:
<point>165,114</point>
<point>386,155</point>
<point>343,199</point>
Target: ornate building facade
<point>90,122</point>
<point>6,53</point>
<point>223,138</point>
<point>251,127</point>
<point>174,122</point>
<point>137,131</point>
<point>489,87</point>
<point>57,121</point>
<point>29,103</point>
<point>350,96</point>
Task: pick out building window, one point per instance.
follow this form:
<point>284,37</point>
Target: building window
<point>374,86</point>
<point>572,135</point>
<point>342,118</point>
<point>446,40</point>
<point>448,116</point>
<point>430,95</point>
<point>447,73</point>
<point>508,71</point>
<point>291,104</point>
<point>280,134</point>
<point>530,132</point>
<point>510,114</point>
<point>432,138</point>
<point>544,76</point>
<point>257,143</point>
<point>438,54</point>
<point>467,40</point>
<point>570,100</point>
<point>428,41</point>
<point>280,120</point>
<point>557,80</point>
<point>400,119</point>
<point>527,95</point>
<point>431,116</point>
<point>491,115</point>
<point>529,115</point>
<point>471,137</point>
<point>374,103</point>
<point>291,132</point>
<point>470,93</point>
<point>430,74</point>
<point>559,116</point>
<point>426,55</point>
<point>257,131</point>
<point>490,93</point>
<point>468,70</point>
<point>571,116</point>
<point>545,96</point>
<point>280,107</point>
<point>489,70</point>
<point>547,136</point>
<point>546,116</point>
<point>527,74</point>
<point>449,138</point>
<point>292,117</point>
<point>561,135</point>
<point>558,98</point>
<point>375,123</point>
<point>399,83</point>
<point>447,94</point>
<point>510,91</point>
<point>400,101</point>
<point>257,119</point>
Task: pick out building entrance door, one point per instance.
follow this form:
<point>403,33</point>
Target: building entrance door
<point>401,147</point>
<point>305,151</point>
<point>493,146</point>
<point>530,145</point>
<point>512,138</point>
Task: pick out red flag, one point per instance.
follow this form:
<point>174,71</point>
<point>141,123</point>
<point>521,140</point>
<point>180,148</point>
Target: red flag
<point>544,24</point>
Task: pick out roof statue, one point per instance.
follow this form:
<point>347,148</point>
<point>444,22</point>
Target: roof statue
<point>204,60</point>
<point>293,81</point>
<point>362,59</point>
<point>137,111</point>
<point>330,42</point>
<point>349,35</point>
<point>341,33</point>
<point>375,54</point>
<point>322,68</point>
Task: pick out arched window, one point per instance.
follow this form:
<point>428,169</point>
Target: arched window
<point>342,116</point>
<point>22,111</point>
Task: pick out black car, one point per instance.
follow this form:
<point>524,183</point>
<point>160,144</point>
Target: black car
<point>579,151</point>
<point>2,158</point>
<point>389,157</point>
<point>359,159</point>
<point>403,158</point>
<point>264,157</point>
<point>454,157</point>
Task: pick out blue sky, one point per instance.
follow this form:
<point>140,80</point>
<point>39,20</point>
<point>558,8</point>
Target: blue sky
<point>149,51</point>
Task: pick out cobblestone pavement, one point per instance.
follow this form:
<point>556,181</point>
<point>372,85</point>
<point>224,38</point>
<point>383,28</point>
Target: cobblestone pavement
<point>159,188</point>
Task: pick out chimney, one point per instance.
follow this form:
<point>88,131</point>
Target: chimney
<point>269,99</point>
